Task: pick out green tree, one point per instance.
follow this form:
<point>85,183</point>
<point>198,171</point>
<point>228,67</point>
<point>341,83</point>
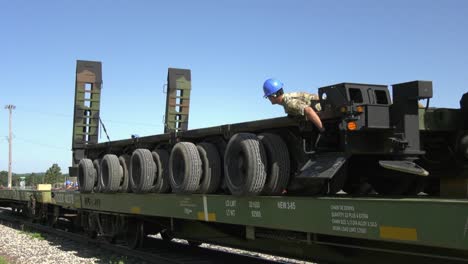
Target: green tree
<point>4,178</point>
<point>15,180</point>
<point>31,179</point>
<point>53,174</point>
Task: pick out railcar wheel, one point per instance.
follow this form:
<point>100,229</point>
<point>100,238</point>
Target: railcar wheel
<point>185,168</point>
<point>161,181</point>
<point>124,161</point>
<point>111,173</point>
<point>245,165</point>
<point>142,171</point>
<point>166,235</point>
<point>89,223</point>
<point>104,223</point>
<point>211,165</point>
<point>278,168</point>
<point>91,234</point>
<point>97,182</point>
<point>111,226</point>
<point>86,175</point>
<point>53,215</point>
<point>135,234</point>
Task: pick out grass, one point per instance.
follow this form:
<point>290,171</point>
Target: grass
<point>34,235</point>
<point>3,260</point>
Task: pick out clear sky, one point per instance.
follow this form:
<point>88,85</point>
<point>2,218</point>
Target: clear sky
<point>231,48</point>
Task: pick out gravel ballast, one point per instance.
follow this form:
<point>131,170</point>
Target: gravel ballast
<point>30,247</point>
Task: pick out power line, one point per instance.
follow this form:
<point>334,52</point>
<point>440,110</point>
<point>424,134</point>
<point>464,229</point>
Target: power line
<point>106,120</point>
<point>41,144</point>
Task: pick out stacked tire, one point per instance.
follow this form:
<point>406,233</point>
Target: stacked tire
<point>87,176</point>
<point>256,164</point>
<point>253,165</point>
<point>195,168</point>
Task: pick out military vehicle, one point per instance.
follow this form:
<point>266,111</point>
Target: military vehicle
<point>372,145</point>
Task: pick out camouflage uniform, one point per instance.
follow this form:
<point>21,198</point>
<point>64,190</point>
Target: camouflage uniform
<point>295,103</point>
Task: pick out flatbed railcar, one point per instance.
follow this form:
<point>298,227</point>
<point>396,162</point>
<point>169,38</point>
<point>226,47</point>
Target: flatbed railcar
<point>321,229</point>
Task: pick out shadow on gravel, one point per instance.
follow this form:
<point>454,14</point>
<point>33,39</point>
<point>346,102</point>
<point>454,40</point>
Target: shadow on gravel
<point>170,251</point>
<point>164,251</point>
<point>90,252</point>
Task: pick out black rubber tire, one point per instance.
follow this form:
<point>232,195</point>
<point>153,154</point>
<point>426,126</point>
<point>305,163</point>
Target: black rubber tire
<point>185,168</point>
<point>142,171</point>
<point>111,173</point>
<point>124,161</point>
<point>245,165</point>
<point>97,183</point>
<point>86,176</point>
<point>278,169</point>
<point>211,168</point>
<point>161,181</point>
<point>221,145</point>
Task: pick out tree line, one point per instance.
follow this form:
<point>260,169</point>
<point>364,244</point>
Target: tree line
<point>52,175</point>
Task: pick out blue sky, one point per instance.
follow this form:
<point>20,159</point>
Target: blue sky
<point>231,48</point>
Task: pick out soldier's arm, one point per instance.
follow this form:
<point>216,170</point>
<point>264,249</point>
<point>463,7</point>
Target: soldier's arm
<point>314,118</point>
<point>298,107</point>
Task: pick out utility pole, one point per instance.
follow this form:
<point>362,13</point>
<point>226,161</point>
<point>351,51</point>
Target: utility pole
<point>10,138</point>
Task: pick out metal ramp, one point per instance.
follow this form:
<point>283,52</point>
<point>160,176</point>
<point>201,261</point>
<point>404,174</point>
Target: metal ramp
<point>88,86</point>
<point>178,100</point>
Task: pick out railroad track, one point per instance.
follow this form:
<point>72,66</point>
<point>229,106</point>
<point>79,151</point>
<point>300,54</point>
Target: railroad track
<point>155,250</point>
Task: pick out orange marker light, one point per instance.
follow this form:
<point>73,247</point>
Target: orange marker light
<point>352,125</point>
<point>360,109</point>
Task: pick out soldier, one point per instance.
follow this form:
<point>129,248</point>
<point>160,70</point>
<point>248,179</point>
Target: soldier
<point>295,104</point>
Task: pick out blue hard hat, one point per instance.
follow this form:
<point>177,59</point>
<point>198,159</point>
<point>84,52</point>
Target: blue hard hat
<point>271,86</point>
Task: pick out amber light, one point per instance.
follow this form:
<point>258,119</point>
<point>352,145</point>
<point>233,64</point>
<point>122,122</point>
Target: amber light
<point>343,109</point>
<point>360,109</point>
<point>352,125</point>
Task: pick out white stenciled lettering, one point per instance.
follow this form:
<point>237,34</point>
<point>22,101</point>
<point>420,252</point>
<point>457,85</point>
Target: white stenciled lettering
<point>346,218</point>
<point>286,205</point>
<point>254,204</point>
<point>230,203</point>
<point>230,212</point>
<point>256,214</point>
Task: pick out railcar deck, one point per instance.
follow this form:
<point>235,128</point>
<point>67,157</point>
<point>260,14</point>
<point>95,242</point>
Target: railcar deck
<point>418,227</point>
